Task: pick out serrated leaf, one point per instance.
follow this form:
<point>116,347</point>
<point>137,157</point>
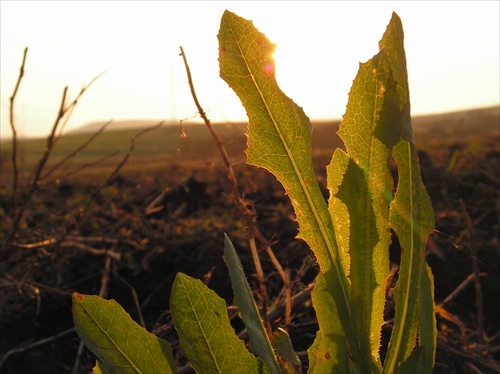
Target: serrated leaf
<point>328,353</point>
<point>369,129</point>
<point>279,139</point>
<point>393,42</point>
<point>259,341</point>
<point>411,217</point>
<point>206,336</point>
<point>120,344</point>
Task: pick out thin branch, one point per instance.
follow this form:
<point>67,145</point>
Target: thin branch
<point>14,132</point>
<point>491,367</point>
<point>33,184</point>
<point>460,288</point>
<point>75,242</point>
<point>262,283</point>
<point>78,358</point>
<point>215,136</point>
<point>24,347</point>
<point>69,110</point>
<point>136,302</point>
<point>76,151</point>
<point>98,252</point>
<point>280,309</point>
<point>131,150</point>
<point>475,267</point>
<point>51,140</point>
<point>245,208</point>
<point>83,167</point>
<point>103,292</point>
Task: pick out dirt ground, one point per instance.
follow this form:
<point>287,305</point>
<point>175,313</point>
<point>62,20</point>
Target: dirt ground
<point>173,220</point>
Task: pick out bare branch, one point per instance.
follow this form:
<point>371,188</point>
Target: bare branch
<point>69,110</point>
<point>76,151</point>
<point>35,178</point>
<point>85,166</point>
<point>131,150</point>
<point>14,132</point>
<point>245,208</point>
<point>218,142</point>
<point>26,346</point>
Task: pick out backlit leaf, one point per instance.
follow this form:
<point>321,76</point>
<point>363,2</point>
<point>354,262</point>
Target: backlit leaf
<point>412,219</point>
<point>369,129</point>
<point>206,335</point>
<point>279,139</point>
<point>328,353</point>
<point>119,343</point>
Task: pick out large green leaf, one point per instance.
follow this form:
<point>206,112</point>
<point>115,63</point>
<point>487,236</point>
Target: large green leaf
<point>279,139</point>
<point>206,336</point>
<point>369,130</point>
<point>260,343</point>
<point>119,343</point>
<point>412,219</point>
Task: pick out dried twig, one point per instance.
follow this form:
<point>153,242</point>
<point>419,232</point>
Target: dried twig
<point>79,352</point>
<point>491,367</point>
<point>131,150</point>
<point>63,115</point>
<point>14,131</point>
<point>280,309</point>
<point>136,302</point>
<point>103,292</point>
<point>73,243</point>
<point>460,288</point>
<point>477,280</point>
<point>98,252</point>
<point>33,183</point>
<point>83,167</point>
<point>244,207</point>
<point>76,151</point>
<point>70,108</point>
<point>24,347</point>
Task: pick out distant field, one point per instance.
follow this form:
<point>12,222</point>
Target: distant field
<point>160,146</point>
<point>165,145</point>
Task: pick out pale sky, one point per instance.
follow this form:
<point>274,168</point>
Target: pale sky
<point>452,50</point>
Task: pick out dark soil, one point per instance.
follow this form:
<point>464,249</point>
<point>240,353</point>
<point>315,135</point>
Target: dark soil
<point>173,221</point>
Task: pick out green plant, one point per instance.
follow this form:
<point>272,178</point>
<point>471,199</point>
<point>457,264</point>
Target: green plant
<point>350,236</point>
